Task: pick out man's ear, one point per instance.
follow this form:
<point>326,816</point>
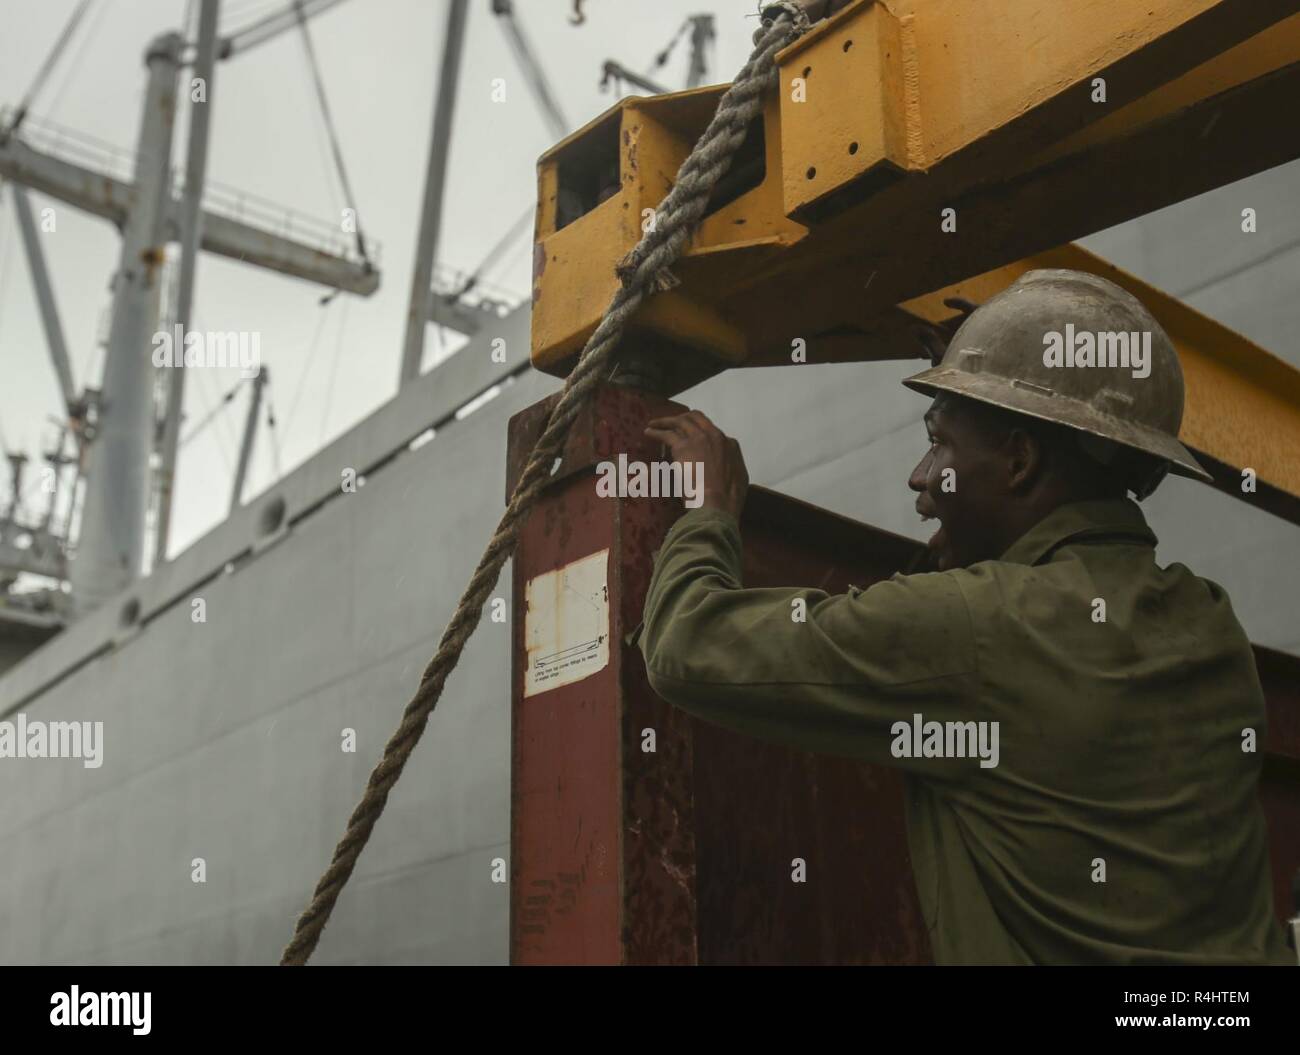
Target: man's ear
<point>1024,459</point>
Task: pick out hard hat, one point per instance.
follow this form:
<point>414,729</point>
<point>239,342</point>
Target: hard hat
<point>1076,349</point>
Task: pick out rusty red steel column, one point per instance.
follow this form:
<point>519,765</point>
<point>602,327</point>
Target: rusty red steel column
<point>602,834</point>
<point>684,854</point>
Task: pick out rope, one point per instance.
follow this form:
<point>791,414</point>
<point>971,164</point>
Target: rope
<point>683,206</point>
<point>682,209</point>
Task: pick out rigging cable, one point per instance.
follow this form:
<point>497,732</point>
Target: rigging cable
<point>6,251</point>
<point>661,59</point>
<point>271,26</point>
<point>333,133</point>
<point>334,372</point>
<point>320,140</point>
<point>210,416</point>
<point>522,251</point>
<point>75,64</point>
<point>493,254</point>
<point>291,417</point>
<point>274,436</point>
<point>250,12</point>
<point>48,66</point>
<point>231,442</point>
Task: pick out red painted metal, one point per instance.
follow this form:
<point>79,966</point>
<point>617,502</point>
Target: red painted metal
<point>684,855</point>
<point>1279,786</point>
<point>603,853</point>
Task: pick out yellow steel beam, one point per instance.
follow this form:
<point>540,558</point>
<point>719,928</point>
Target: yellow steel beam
<point>614,171</point>
<point>1263,54</point>
<point>889,113</point>
<point>893,247</point>
<point>983,106</point>
<point>915,82</point>
<point>1006,160</point>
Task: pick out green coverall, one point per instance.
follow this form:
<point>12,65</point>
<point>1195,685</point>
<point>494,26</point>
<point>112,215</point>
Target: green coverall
<point>1121,739</point>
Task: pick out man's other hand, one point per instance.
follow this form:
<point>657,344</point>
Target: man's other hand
<point>691,437</point>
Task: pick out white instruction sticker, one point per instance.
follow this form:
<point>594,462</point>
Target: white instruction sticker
<point>566,624</point>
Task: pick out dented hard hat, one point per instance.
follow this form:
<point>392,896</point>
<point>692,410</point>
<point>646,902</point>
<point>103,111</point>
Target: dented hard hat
<point>1076,349</point>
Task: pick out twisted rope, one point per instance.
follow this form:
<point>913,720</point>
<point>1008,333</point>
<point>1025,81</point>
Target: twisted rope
<point>643,271</point>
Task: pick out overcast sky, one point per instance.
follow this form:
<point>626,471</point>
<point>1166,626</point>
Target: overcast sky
<point>329,366</point>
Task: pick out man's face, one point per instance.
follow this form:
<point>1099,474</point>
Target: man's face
<point>961,481</point>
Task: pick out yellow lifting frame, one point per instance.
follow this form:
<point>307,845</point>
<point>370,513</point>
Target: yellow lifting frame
<point>1035,121</point>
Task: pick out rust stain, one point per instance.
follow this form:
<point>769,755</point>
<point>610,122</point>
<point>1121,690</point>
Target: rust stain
<point>632,142</point>
<point>539,267</point>
<point>152,258</point>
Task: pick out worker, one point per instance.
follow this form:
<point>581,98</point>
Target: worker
<point>1078,727</point>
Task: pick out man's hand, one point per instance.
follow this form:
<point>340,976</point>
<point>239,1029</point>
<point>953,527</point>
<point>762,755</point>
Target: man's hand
<point>691,437</point>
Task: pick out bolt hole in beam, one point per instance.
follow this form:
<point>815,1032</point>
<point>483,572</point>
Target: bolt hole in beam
<point>848,44</point>
<point>806,71</point>
<point>812,172</point>
<point>853,148</point>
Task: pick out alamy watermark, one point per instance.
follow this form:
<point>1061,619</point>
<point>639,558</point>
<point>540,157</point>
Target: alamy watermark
<point>24,739</point>
<point>208,348</point>
<point>76,1008</point>
<point>922,739</point>
<point>625,479</point>
<point>1131,351</point>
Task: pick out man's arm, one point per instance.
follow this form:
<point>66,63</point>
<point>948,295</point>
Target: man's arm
<point>802,667</point>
